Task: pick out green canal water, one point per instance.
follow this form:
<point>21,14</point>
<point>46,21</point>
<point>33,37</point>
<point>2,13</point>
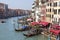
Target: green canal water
<point>7,32</point>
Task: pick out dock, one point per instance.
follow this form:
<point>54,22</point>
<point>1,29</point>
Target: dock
<point>47,35</point>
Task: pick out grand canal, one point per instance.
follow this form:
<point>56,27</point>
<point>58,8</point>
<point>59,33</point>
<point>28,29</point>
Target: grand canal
<point>7,32</point>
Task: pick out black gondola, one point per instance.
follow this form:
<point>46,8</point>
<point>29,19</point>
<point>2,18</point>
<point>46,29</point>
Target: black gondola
<point>23,28</point>
<point>33,33</point>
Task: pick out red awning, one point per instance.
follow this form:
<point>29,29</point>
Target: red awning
<point>56,26</point>
<point>55,32</point>
<point>44,23</point>
<point>34,23</point>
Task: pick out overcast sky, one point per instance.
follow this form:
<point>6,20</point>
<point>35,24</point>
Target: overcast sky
<point>21,4</point>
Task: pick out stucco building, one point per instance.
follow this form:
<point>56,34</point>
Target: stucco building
<point>53,11</point>
<point>39,10</point>
<point>46,10</point>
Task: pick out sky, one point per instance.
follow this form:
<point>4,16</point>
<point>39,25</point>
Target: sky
<point>18,4</point>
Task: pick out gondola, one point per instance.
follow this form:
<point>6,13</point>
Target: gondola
<point>23,28</point>
<point>2,21</point>
<point>33,33</point>
<point>20,29</point>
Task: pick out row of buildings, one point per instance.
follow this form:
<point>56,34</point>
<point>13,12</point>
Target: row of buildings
<point>6,12</point>
<point>46,10</point>
<point>3,9</point>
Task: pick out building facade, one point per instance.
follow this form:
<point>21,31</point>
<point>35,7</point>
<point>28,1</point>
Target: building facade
<point>39,10</point>
<point>53,11</point>
<point>3,10</point>
<point>46,10</point>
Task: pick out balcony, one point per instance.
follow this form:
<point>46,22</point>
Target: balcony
<point>33,9</point>
<point>39,3</point>
<point>42,14</point>
<point>33,5</point>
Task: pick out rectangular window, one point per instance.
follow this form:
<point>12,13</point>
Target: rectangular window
<point>50,10</point>
<point>55,19</point>
<point>55,4</point>
<point>50,4</point>
<point>52,16</point>
<point>55,11</point>
<point>59,11</point>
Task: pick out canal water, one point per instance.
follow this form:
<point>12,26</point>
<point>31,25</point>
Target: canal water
<point>7,32</point>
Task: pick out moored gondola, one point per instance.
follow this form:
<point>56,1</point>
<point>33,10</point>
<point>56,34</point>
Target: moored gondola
<point>23,28</point>
<point>33,33</point>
